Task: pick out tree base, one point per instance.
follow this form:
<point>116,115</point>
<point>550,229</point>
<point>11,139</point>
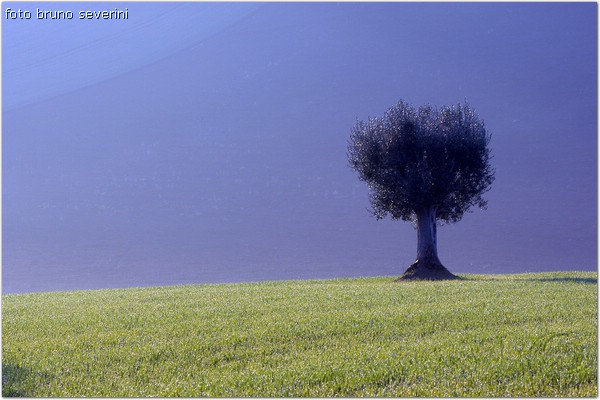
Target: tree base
<point>426,271</point>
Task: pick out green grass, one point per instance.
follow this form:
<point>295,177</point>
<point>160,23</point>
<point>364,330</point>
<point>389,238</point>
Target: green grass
<point>495,335</point>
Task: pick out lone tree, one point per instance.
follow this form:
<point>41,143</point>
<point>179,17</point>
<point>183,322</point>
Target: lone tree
<point>423,165</point>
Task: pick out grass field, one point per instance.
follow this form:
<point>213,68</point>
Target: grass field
<point>485,335</point>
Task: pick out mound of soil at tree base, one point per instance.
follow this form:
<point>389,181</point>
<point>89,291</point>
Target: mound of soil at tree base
<point>422,271</point>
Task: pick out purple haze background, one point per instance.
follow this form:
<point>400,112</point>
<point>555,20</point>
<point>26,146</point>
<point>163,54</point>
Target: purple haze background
<point>206,142</point>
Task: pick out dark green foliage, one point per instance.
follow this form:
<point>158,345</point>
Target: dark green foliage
<point>425,157</point>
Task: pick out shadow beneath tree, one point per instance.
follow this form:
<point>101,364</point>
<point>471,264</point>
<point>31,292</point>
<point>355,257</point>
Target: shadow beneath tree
<point>591,281</point>
<point>571,279</point>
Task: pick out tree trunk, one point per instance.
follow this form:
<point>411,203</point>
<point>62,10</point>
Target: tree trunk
<point>427,266</point>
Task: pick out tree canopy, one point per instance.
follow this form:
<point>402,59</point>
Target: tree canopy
<point>423,158</point>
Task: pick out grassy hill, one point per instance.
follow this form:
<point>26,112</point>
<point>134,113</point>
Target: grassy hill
<point>485,335</point>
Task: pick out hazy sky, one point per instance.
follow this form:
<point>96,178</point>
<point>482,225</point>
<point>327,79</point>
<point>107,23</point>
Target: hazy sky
<point>206,142</point>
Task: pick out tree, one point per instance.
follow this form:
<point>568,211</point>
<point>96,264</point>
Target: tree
<point>423,165</point>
